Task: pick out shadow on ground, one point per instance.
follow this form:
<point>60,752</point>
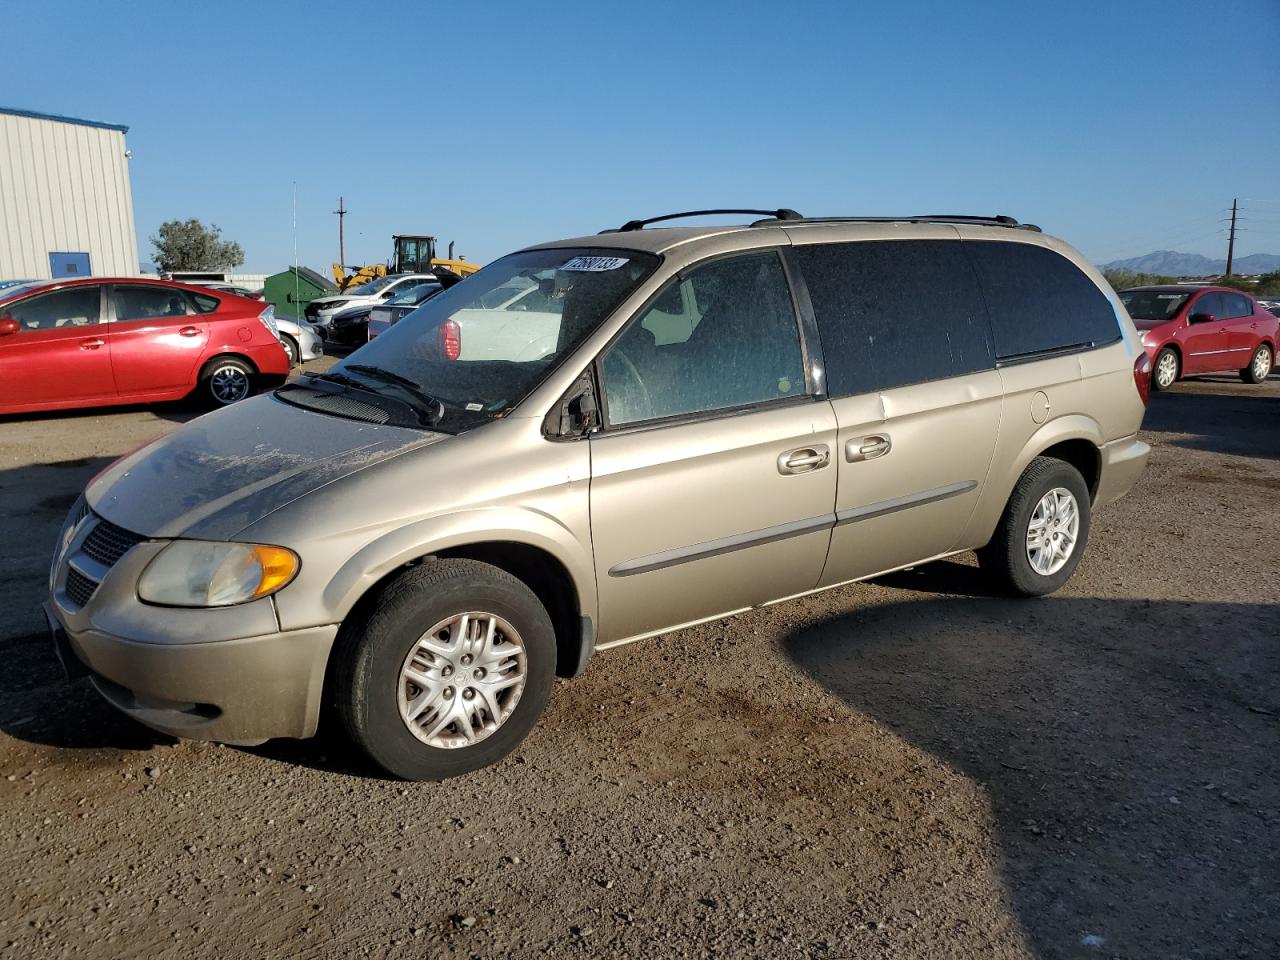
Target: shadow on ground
<point>1231,423</point>
<point>1130,751</point>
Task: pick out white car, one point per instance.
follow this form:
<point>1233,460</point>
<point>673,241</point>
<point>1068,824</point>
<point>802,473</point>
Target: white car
<point>320,311</point>
<point>300,342</point>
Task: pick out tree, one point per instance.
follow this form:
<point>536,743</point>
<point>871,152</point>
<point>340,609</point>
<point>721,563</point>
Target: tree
<point>190,245</point>
<point>1121,279</point>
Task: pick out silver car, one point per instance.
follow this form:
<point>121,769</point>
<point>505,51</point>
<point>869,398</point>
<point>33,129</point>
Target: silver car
<point>300,342</point>
<point>690,423</point>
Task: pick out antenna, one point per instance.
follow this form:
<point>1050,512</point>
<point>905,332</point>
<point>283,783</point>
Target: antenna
<point>297,283</point>
<point>342,248</point>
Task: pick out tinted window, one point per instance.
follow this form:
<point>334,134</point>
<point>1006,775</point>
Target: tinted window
<point>143,303</point>
<point>895,312</point>
<point>74,307</point>
<point>1235,305</point>
<point>1152,304</point>
<point>205,304</point>
<point>1208,303</point>
<point>1038,300</point>
<point>739,344</point>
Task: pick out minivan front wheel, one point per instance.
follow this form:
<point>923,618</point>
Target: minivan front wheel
<point>1042,534</point>
<point>449,672</point>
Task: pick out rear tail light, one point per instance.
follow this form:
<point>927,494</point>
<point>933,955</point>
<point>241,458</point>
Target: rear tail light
<point>268,318</point>
<point>451,339</point>
<point>1142,376</point>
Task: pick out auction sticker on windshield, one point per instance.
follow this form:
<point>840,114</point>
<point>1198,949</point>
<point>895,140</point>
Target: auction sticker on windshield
<point>594,264</point>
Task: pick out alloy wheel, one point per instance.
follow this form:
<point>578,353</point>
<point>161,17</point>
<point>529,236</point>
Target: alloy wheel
<point>1262,364</point>
<point>462,680</point>
<point>1167,370</point>
<point>229,383</point>
<point>1053,531</point>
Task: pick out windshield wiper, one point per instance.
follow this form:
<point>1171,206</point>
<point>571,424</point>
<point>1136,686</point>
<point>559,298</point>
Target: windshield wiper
<point>434,405</point>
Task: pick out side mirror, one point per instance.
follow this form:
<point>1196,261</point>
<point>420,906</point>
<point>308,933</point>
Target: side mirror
<point>8,326</point>
<point>1202,318</point>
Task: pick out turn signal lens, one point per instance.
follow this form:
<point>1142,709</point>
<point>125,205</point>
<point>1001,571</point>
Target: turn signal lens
<point>451,339</point>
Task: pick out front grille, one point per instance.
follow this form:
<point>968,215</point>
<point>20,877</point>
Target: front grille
<point>79,587</point>
<point>107,543</point>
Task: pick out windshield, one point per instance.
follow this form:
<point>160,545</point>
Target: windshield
<point>414,294</point>
<point>1153,304</point>
<point>480,359</point>
<point>372,287</point>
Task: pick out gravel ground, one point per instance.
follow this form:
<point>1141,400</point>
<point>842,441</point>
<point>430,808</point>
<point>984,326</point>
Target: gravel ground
<point>905,768</point>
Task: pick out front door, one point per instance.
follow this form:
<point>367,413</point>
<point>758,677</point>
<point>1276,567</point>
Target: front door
<point>157,338</point>
<point>1206,341</point>
<point>60,352</point>
<point>712,479</point>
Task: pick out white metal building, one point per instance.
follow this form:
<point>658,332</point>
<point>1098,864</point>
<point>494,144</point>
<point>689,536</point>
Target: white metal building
<point>66,209</point>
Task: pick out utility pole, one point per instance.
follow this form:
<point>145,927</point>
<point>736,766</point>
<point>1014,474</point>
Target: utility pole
<point>1231,240</point>
<point>342,246</point>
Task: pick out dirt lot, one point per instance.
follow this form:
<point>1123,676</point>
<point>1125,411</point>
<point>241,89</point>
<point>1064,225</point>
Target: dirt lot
<point>906,768</point>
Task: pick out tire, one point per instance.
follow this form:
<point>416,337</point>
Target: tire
<point>1166,370</point>
<point>224,381</point>
<point>291,348</point>
<point>1259,367</point>
<point>371,688</point>
<point>1007,559</point>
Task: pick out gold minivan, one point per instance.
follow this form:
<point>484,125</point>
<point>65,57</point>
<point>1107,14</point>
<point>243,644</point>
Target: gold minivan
<point>590,442</point>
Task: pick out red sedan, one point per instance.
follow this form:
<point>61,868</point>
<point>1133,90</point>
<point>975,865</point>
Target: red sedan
<point>91,342</point>
<point>1190,330</point>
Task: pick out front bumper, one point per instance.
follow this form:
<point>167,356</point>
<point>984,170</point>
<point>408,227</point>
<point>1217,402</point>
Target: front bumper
<point>1123,461</point>
<point>235,691</point>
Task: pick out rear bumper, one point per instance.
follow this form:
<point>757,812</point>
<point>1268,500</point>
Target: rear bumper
<point>235,691</point>
<point>1123,461</point>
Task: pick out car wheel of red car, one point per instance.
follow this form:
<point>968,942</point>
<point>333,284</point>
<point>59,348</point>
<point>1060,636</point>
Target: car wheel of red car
<point>1164,373</point>
<point>225,381</point>
<point>1259,367</point>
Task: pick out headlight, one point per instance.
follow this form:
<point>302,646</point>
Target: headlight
<point>202,573</point>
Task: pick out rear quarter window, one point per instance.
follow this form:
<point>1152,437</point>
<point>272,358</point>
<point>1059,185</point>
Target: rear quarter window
<point>1038,300</point>
<point>895,312</point>
<point>205,303</point>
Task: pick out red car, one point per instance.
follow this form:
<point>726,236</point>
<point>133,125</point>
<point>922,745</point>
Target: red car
<point>1190,330</point>
<point>91,342</point>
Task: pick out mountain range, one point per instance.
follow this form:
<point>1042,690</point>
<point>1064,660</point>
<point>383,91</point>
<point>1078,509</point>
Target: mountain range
<point>1170,263</point>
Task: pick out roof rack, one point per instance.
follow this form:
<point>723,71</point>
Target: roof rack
<point>999,220</point>
<point>773,216</point>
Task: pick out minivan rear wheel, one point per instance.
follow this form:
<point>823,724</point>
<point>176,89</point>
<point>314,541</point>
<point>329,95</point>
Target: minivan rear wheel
<point>449,672</point>
<point>1042,534</point>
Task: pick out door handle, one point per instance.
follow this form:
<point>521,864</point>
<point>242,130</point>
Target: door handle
<point>867,448</point>
<point>93,344</point>
<point>190,331</point>
<point>804,460</point>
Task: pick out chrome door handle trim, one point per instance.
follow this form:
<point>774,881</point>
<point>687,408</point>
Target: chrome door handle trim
<point>867,448</point>
<point>804,460</point>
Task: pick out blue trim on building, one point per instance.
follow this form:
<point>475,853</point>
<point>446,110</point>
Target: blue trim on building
<point>13,112</point>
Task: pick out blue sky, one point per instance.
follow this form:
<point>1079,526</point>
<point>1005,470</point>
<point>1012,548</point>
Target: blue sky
<point>1123,128</point>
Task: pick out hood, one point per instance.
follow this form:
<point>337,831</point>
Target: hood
<point>1145,325</point>
<point>214,476</point>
